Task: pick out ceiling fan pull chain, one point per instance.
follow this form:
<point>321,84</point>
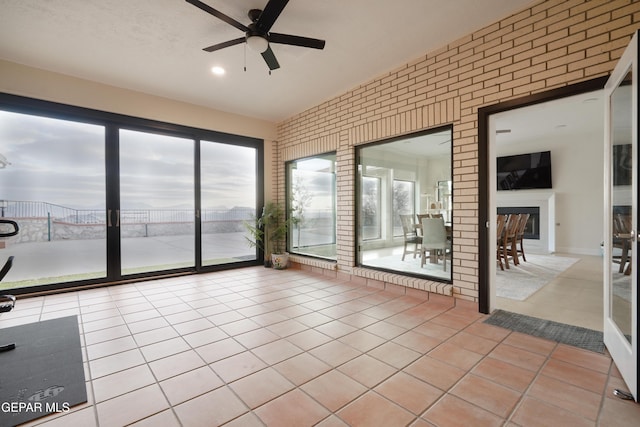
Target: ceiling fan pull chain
<point>245,57</point>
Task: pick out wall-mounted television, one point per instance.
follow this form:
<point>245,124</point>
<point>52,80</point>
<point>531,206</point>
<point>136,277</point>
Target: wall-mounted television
<point>524,171</point>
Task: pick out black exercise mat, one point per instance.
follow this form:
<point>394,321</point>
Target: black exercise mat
<point>44,373</point>
<point>576,336</point>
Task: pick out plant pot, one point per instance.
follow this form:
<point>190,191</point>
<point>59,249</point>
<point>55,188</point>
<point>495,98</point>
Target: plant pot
<point>280,261</point>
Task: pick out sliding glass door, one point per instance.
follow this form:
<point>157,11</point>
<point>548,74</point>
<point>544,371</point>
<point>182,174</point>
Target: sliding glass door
<point>156,215</point>
<point>52,184</point>
<point>100,197</point>
<point>228,199</point>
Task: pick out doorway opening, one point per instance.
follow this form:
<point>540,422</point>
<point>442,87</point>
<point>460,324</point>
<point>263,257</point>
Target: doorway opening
<point>561,279</point>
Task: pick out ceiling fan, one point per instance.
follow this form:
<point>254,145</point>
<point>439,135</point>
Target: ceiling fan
<point>256,34</point>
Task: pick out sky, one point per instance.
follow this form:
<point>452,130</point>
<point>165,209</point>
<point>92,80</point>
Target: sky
<point>63,162</point>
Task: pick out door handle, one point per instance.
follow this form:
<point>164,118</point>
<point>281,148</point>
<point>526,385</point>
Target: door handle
<point>634,235</point>
<point>117,217</point>
<point>108,217</point>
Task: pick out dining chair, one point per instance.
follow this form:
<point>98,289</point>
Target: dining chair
<point>419,223</point>
<point>434,240</point>
<point>502,221</point>
<point>622,241</point>
<point>522,225</point>
<point>410,236</point>
<point>507,244</point>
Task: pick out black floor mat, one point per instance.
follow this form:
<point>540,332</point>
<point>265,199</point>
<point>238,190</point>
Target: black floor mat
<point>576,336</point>
<point>44,373</point>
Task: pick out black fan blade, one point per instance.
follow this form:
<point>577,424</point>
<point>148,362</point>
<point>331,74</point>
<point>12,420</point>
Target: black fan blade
<point>225,44</point>
<point>296,40</point>
<point>270,59</point>
<point>218,15</point>
<point>269,14</point>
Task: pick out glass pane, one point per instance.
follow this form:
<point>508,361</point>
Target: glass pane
<point>622,193</point>
<point>313,206</point>
<point>403,203</point>
<point>228,175</point>
<point>370,227</point>
<point>52,183</point>
<point>156,202</point>
<point>403,181</point>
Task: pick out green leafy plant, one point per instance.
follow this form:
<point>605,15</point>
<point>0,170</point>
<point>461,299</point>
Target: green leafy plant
<point>268,232</point>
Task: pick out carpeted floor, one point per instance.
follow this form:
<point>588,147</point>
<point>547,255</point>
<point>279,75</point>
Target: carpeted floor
<point>567,334</point>
<point>519,282</point>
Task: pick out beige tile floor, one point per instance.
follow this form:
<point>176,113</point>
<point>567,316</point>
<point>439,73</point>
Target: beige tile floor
<point>574,297</point>
<point>256,347</point>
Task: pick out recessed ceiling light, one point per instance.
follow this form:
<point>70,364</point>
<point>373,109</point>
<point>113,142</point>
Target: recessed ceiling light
<point>218,71</point>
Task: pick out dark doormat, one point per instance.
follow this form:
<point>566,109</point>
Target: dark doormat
<point>44,373</point>
<point>576,336</point>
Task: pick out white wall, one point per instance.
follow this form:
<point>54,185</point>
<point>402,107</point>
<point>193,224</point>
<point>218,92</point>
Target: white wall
<point>577,172</point>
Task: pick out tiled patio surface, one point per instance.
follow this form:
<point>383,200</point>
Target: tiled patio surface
<point>254,347</point>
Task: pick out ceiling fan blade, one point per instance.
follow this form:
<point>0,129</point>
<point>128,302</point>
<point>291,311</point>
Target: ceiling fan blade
<point>218,14</point>
<point>269,14</point>
<point>270,59</point>
<point>296,40</point>
<point>225,44</point>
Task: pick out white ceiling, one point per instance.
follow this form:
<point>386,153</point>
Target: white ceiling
<point>155,46</point>
<point>568,117</point>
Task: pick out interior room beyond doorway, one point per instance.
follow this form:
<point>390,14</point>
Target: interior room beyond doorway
<point>562,277</point>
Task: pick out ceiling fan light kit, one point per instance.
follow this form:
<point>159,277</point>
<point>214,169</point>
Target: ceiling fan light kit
<point>257,43</point>
<point>257,35</point>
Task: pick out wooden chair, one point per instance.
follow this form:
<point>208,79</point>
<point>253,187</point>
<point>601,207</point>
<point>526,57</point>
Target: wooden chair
<point>434,240</point>
<point>420,216</point>
<point>502,221</point>
<point>507,244</point>
<point>622,241</point>
<point>410,236</point>
<point>522,225</point>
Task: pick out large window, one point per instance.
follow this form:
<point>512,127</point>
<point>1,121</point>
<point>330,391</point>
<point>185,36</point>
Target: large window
<point>101,197</point>
<point>312,206</point>
<point>403,182</point>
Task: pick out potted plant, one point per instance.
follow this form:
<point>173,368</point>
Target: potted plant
<point>268,233</point>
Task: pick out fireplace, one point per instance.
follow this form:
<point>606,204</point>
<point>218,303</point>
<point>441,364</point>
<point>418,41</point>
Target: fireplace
<point>532,229</point>
<point>544,222</point>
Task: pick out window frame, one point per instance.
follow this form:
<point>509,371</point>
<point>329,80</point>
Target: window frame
<point>289,201</point>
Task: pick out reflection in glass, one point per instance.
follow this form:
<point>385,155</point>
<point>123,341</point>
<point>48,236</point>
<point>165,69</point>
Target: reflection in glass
<point>403,203</point>
<point>370,224</point>
<point>400,180</point>
<point>622,193</point>
<point>228,189</point>
<point>312,206</point>
<point>156,202</point>
<point>52,183</point>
